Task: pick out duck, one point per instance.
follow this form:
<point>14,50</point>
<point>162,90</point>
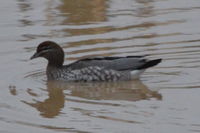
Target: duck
<point>110,68</point>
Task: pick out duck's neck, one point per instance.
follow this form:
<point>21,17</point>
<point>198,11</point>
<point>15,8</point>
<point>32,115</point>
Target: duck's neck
<point>55,63</point>
<point>53,71</point>
<point>56,60</point>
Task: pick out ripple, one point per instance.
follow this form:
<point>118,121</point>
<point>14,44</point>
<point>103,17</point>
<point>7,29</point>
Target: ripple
<point>166,98</point>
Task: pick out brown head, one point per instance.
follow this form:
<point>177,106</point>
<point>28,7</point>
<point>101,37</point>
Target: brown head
<point>50,51</point>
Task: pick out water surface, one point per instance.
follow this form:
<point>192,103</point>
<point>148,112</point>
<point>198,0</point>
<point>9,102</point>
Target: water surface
<point>166,99</point>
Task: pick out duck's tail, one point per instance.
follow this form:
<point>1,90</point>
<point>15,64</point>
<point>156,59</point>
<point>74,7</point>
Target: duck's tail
<point>150,63</point>
<point>135,74</point>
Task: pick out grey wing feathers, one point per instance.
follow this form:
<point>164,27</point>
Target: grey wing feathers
<point>114,63</point>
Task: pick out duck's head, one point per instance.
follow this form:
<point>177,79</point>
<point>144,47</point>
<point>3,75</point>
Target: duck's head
<point>50,51</point>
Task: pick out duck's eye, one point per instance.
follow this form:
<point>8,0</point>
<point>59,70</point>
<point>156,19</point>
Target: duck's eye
<point>45,48</point>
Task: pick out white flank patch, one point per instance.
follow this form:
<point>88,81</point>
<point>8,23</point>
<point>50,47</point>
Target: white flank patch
<point>135,74</point>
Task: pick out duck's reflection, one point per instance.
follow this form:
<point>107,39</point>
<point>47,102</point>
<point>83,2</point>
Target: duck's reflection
<point>57,91</point>
<point>51,106</point>
<point>123,90</point>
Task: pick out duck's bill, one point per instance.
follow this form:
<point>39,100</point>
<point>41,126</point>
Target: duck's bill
<point>34,56</point>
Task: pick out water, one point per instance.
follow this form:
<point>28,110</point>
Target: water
<point>166,99</point>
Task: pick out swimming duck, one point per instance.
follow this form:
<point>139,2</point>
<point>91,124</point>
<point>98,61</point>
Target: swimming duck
<point>91,69</point>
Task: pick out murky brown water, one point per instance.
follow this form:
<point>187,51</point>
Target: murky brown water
<point>166,100</point>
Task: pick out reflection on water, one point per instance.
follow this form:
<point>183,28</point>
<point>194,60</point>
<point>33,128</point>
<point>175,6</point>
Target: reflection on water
<point>25,6</point>
<point>124,90</point>
<point>82,12</point>
<point>145,9</point>
<point>52,105</point>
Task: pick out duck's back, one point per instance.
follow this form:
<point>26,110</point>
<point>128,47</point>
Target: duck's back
<point>114,63</point>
